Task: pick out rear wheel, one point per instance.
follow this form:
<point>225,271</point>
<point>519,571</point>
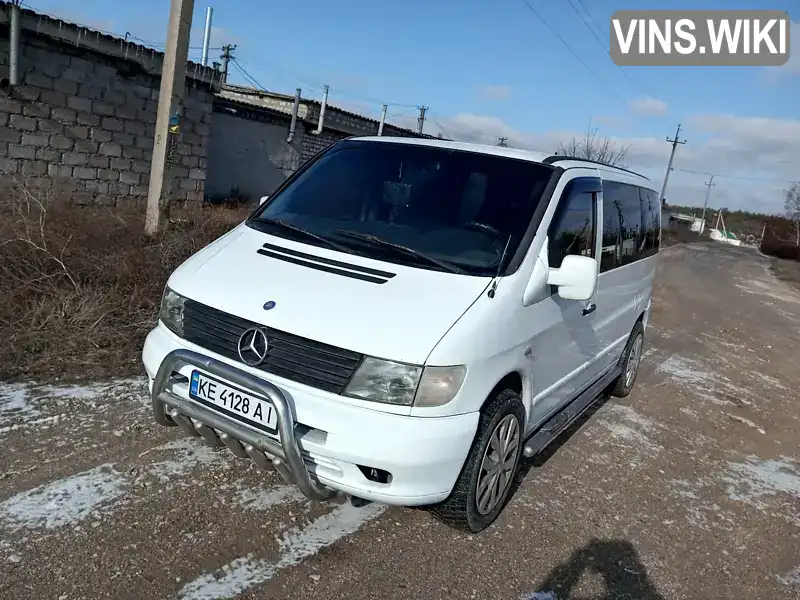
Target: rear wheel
<point>482,488</point>
<point>629,362</point>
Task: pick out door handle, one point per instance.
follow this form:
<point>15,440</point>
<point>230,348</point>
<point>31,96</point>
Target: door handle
<point>589,309</point>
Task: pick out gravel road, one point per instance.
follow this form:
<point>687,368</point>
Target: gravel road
<point>688,488</point>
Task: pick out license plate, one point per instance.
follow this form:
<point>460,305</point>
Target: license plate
<point>233,402</point>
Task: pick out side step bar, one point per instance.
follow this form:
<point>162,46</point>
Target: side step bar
<point>560,421</point>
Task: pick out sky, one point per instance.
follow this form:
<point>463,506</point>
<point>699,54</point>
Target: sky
<point>491,68</point>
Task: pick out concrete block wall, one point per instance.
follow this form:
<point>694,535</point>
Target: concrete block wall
<point>314,143</point>
<point>85,123</point>
<point>250,156</point>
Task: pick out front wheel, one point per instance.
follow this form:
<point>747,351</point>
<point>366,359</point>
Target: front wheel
<point>482,488</point>
<point>629,362</point>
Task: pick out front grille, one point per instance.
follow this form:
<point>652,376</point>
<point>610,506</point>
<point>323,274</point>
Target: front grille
<point>290,356</point>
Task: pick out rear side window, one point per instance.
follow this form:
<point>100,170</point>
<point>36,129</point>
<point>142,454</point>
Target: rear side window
<point>651,222</point>
<point>573,228</point>
<point>631,225</point>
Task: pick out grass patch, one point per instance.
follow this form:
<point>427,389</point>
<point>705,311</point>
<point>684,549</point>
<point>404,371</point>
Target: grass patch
<point>80,286</point>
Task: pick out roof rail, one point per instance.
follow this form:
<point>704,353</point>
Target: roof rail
<point>557,157</point>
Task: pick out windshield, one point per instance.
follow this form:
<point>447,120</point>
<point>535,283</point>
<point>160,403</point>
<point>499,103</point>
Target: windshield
<point>435,205</point>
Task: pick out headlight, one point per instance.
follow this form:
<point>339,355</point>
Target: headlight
<point>405,385</point>
<point>384,381</point>
<point>439,385</point>
<point>171,313</point>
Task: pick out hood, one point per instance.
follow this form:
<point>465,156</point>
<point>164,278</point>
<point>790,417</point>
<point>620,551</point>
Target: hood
<point>376,308</point>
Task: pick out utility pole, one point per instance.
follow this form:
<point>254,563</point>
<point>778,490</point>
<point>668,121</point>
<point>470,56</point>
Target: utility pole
<point>502,142</point>
<point>421,119</point>
<point>709,184</point>
<point>226,56</point>
<point>674,143</point>
<point>170,100</point>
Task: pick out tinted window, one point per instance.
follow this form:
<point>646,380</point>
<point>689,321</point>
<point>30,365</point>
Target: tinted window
<point>573,227</point>
<point>457,207</point>
<point>622,225</point>
<point>651,222</point>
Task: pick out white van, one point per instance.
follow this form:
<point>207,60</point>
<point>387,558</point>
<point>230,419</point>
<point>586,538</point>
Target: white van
<point>405,318</point>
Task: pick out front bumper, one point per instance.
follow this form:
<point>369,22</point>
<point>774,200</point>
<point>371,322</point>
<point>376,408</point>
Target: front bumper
<point>323,443</point>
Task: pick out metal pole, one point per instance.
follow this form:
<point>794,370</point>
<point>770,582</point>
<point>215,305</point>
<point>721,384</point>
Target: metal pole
<point>322,110</point>
<point>170,100</point>
<point>383,119</point>
<point>13,54</point>
<point>421,120</point>
<point>295,109</point>
<point>709,185</point>
<point>207,35</point>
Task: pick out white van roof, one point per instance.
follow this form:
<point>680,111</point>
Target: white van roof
<point>465,146</point>
<point>565,162</point>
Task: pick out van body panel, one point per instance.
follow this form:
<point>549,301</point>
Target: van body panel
<point>399,320</point>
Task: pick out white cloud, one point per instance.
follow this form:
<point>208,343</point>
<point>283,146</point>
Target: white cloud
<point>747,147</point>
<point>648,106</point>
<point>494,92</point>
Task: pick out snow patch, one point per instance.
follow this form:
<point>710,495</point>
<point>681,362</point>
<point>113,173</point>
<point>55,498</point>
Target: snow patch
<point>791,579</point>
<point>24,405</point>
<point>769,289</point>
<point>685,370</point>
<point>769,380</point>
<point>295,546</point>
<point>538,596</point>
<point>628,426</point>
<point>188,455</point>
<point>754,480</point>
<point>262,499</point>
<point>64,502</point>
<point>15,404</point>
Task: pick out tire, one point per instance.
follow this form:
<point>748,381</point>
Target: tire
<point>461,510</point>
<point>629,363</point>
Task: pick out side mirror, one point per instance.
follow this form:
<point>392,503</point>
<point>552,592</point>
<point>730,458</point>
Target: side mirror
<point>576,279</point>
<point>263,199</point>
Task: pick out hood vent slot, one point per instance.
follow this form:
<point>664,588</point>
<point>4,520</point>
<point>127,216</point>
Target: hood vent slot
<point>325,264</point>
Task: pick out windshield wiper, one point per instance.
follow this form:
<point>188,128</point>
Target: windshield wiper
<point>309,234</point>
<point>397,248</point>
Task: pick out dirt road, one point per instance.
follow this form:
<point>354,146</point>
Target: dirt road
<point>689,488</point>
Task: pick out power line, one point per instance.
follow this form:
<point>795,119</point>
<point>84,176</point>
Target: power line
<point>602,43</point>
<point>247,75</point>
<point>589,13</point>
<point>336,90</point>
<point>441,127</point>
<point>743,177</point>
<point>575,54</point>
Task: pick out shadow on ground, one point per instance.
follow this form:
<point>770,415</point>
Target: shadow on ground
<point>617,563</point>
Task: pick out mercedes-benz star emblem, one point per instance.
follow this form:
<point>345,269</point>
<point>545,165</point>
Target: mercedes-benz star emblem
<point>253,346</point>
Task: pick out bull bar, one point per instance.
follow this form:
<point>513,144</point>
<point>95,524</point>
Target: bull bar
<point>283,454</point>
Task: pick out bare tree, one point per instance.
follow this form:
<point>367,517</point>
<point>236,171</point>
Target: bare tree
<point>792,206</point>
<point>591,147</point>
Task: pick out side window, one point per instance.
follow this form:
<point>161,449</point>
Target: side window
<point>651,222</point>
<point>622,225</point>
<point>573,228</point>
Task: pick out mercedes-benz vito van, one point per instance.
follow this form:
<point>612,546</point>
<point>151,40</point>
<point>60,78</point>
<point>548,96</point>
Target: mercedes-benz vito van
<point>403,319</point>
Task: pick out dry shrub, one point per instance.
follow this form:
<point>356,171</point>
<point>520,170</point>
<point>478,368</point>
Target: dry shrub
<point>80,286</point>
